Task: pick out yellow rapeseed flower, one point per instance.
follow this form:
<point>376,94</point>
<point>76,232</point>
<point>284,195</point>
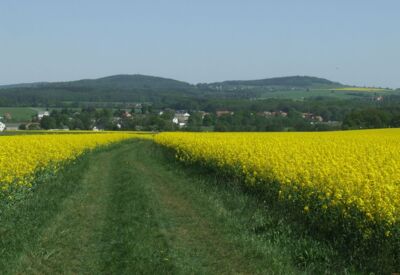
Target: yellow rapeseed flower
<point>346,171</point>
<point>22,156</point>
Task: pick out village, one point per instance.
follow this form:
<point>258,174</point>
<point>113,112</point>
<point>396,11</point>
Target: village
<point>143,117</point>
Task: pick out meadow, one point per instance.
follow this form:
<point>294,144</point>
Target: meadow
<point>19,114</point>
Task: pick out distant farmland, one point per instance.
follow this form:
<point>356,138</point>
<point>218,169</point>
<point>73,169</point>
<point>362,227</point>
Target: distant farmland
<point>362,89</point>
<point>19,114</point>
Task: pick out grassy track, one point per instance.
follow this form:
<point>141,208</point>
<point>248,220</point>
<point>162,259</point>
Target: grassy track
<point>128,210</point>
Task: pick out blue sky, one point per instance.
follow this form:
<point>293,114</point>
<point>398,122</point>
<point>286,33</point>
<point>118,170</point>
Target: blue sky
<point>351,41</point>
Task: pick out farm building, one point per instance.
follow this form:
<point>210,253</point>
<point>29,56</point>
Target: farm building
<point>181,118</point>
<point>40,115</point>
<point>126,114</point>
<point>2,126</point>
<point>311,116</point>
<point>12,126</point>
<point>223,113</point>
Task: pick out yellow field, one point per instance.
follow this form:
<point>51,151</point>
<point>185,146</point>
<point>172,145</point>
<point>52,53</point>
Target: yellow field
<point>347,181</point>
<point>350,177</point>
<point>22,156</point>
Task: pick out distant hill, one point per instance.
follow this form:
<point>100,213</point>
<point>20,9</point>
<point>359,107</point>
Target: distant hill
<point>122,81</point>
<point>135,81</point>
<point>288,81</point>
<point>24,85</point>
<point>107,90</point>
<point>142,88</point>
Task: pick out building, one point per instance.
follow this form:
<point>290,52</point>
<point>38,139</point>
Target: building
<point>126,114</point>
<point>223,113</point>
<point>202,114</point>
<point>280,113</point>
<point>311,116</point>
<point>265,114</point>
<point>12,126</point>
<point>41,115</point>
<point>2,126</point>
<point>318,118</point>
<point>307,115</point>
<point>181,118</point>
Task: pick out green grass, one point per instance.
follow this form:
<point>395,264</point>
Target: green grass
<point>20,114</point>
<point>129,209</point>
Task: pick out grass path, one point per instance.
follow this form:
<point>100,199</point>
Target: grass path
<point>127,210</point>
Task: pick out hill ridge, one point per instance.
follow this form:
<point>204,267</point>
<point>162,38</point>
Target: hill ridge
<point>130,79</point>
<point>295,81</point>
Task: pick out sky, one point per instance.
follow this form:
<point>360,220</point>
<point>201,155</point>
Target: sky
<point>356,42</point>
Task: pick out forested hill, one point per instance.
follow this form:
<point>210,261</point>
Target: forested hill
<point>142,88</point>
<point>116,88</point>
<point>123,81</point>
<point>288,81</point>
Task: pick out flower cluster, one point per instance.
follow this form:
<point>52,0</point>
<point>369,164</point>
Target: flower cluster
<point>349,177</point>
<point>22,156</point>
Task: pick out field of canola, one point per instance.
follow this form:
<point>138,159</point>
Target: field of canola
<point>21,157</point>
<point>337,180</point>
<point>343,183</point>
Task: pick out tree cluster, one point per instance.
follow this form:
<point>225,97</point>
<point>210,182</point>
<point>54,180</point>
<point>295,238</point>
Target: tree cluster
<point>372,118</point>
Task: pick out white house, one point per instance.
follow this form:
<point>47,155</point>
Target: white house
<point>181,118</point>
<point>2,126</point>
<point>40,115</point>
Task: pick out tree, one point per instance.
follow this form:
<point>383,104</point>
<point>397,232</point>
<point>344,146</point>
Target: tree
<point>208,120</point>
<point>48,122</point>
<point>78,124</point>
<point>195,121</point>
<point>395,122</point>
<point>367,118</point>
